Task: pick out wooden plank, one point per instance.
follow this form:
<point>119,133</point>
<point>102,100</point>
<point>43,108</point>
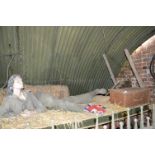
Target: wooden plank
<point>141,84</point>
<point>153,116</point>
<point>109,69</point>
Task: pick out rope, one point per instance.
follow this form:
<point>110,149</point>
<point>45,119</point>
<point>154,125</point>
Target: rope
<point>152,69</point>
<point>7,73</point>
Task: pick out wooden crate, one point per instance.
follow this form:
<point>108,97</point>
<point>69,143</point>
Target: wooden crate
<point>128,97</point>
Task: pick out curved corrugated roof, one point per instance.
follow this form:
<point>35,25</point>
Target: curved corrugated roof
<point>68,55</point>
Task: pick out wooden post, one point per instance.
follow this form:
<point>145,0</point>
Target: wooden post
<point>109,69</point>
<point>27,125</point>
<point>96,126</point>
<point>128,119</point>
<point>52,124</point>
<point>141,84</point>
<point>113,121</point>
<point>135,123</point>
<point>153,116</point>
<point>105,127</point>
<point>75,120</point>
<point>141,118</point>
<point>121,124</point>
<point>148,122</point>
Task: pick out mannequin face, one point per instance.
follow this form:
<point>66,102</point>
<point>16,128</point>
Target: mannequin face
<point>18,83</point>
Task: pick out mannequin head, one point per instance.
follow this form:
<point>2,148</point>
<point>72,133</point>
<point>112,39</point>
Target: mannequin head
<point>15,85</point>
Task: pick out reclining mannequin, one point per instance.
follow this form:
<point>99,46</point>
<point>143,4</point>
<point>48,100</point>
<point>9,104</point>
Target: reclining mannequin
<point>19,100</point>
<point>51,102</point>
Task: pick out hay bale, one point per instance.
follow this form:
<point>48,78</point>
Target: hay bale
<point>59,91</point>
<point>2,95</point>
<point>101,99</point>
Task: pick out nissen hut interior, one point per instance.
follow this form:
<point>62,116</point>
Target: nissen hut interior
<point>77,77</point>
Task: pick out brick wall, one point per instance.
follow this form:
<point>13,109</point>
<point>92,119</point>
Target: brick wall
<point>142,57</point>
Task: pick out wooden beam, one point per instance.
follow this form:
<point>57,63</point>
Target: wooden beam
<point>109,69</point>
<point>141,84</point>
<point>153,116</point>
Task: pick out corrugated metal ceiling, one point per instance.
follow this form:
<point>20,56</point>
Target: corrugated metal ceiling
<point>68,55</point>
